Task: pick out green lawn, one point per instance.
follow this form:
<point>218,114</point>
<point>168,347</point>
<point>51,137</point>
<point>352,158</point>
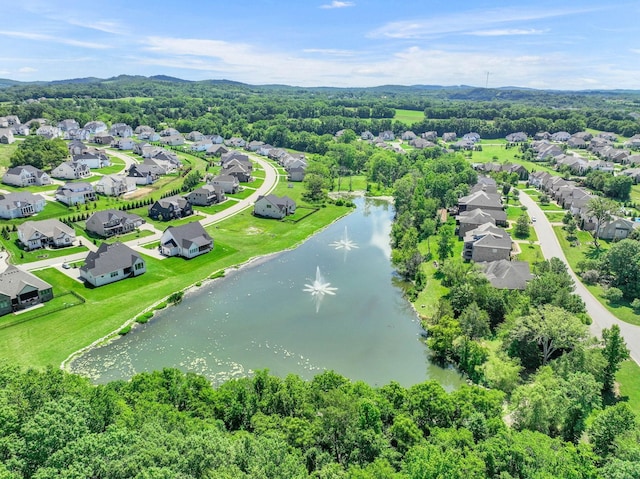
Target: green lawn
<point>532,234</point>
<point>5,153</point>
<point>213,209</point>
<point>59,334</point>
<point>409,116</point>
<point>19,256</point>
<point>532,253</point>
<point>243,193</point>
<point>129,236</point>
<point>627,377</point>
<point>353,183</point>
<point>116,166</point>
<point>555,217</point>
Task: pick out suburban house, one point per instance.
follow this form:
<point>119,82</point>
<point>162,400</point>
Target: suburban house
<point>20,290</point>
<point>633,173</point>
<point>617,229</point>
<point>235,142</point>
<point>68,124</point>
<point>161,167</point>
<point>149,135</point>
<point>505,274</point>
<point>103,139</point>
<point>123,143</point>
<point>296,174</point>
<point>217,150</point>
<point>26,175</point>
<point>110,263</point>
<point>169,132</point>
<point>367,135</point>
<point>408,136</point>
<point>20,205</point>
<point>95,127</point>
<point>386,135</point>
<point>480,199</point>
<point>201,145</point>
<point>486,243</point>
<point>254,145</point>
<point>172,207</point>
<point>75,193</point>
<point>237,170</point>
<point>449,136</point>
<point>173,140</point>
<point>228,183</point>
<point>518,137</point>
<point>143,174</point>
<point>206,195</point>
<point>470,220</point>
<point>70,170</point>
<point>49,132</point>
<point>115,185</point>
<point>108,223</point>
<point>121,130</point>
<point>76,147</point>
<point>93,160</point>
<point>189,240</point>
<point>561,136</point>
<point>45,233</point>
<point>272,206</point>
<point>195,136</point>
<point>6,136</point>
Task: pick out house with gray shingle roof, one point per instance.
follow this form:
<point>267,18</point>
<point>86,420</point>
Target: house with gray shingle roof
<point>75,193</point>
<point>486,243</point>
<point>111,263</point>
<point>107,223</point>
<point>470,220</point>
<point>70,170</point>
<point>172,207</point>
<point>20,289</point>
<point>26,175</point>
<point>206,195</point>
<point>189,240</point>
<point>504,274</point>
<point>480,199</point>
<point>228,183</point>
<point>20,205</point>
<point>6,136</point>
<point>45,233</point>
<point>272,206</point>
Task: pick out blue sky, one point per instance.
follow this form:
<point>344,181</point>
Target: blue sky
<point>544,44</point>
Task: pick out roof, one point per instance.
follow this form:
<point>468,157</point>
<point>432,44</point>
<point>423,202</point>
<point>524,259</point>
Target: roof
<point>20,197</point>
<point>106,216</point>
<point>14,280</point>
<point>50,228</point>
<point>489,236</point>
<point>188,234</point>
<point>477,216</point>
<point>482,198</point>
<point>506,274</point>
<point>16,170</point>
<point>109,258</point>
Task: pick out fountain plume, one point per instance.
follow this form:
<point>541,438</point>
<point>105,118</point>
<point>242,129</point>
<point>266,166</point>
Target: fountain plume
<point>319,288</point>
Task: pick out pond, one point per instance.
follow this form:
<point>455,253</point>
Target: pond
<point>332,303</point>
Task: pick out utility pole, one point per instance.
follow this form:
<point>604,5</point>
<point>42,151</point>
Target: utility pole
<point>486,85</point>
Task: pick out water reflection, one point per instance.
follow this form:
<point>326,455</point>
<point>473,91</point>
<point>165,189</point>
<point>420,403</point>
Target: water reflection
<point>259,317</point>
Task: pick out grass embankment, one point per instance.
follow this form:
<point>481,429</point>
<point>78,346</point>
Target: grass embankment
<point>106,308</point>
<point>627,377</point>
<point>5,154</point>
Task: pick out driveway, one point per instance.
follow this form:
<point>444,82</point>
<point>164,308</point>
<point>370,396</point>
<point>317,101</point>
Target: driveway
<point>601,316</point>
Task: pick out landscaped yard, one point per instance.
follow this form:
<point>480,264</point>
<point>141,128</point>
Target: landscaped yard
<point>5,153</point>
<point>627,377</point>
<point>116,167</point>
<point>19,256</point>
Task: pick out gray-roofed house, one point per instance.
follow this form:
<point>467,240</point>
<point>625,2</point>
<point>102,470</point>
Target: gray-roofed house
<point>172,207</point>
<point>20,205</point>
<point>486,243</point>
<point>144,174</point>
<point>6,136</point>
<point>504,274</point>
<point>189,240</point>
<point>107,223</point>
<point>70,170</point>
<point>470,220</point>
<point>45,233</point>
<point>296,173</point>
<point>228,183</point>
<point>272,206</point>
<point>616,229</point>
<point>206,195</point>
<point>95,126</point>
<point>115,185</point>
<point>111,263</point>
<point>480,199</point>
<point>68,124</point>
<point>121,130</point>
<point>75,193</point>
<point>96,159</point>
<point>20,290</point>
<point>217,150</point>
<point>26,175</point>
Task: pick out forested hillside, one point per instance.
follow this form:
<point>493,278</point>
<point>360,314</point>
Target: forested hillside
<point>173,425</point>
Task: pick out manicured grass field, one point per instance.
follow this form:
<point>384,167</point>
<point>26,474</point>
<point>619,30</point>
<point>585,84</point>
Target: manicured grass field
<point>627,377</point>
<point>409,116</point>
<point>555,217</point>
<point>116,167</point>
<point>60,333</point>
<point>532,253</point>
<point>19,256</point>
<point>5,153</point>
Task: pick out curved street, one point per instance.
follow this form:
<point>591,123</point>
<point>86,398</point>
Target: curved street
<point>601,316</point>
<point>269,183</point>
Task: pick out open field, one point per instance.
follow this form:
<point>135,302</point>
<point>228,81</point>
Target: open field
<point>5,153</point>
<point>409,116</point>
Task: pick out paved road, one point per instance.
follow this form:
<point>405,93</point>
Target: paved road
<point>269,183</point>
<point>602,317</point>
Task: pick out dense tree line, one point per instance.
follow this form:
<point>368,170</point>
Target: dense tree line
<point>299,118</point>
<point>171,424</point>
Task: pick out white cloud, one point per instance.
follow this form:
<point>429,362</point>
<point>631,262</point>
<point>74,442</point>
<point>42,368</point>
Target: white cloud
<point>27,70</point>
<point>338,4</point>
<point>331,52</point>
<point>105,26</point>
<point>53,39</point>
<point>464,22</point>
<point>506,32</point>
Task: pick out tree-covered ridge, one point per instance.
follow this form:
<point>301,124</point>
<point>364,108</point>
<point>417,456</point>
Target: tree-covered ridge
<point>170,424</point>
<point>286,116</point>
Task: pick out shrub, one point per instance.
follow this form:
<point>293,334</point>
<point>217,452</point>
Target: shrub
<point>124,330</point>
<point>613,295</point>
<point>635,304</point>
<point>144,318</point>
<point>161,305</point>
<point>176,297</point>
<point>590,276</point>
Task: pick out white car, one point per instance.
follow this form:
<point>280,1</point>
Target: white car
<point>533,219</point>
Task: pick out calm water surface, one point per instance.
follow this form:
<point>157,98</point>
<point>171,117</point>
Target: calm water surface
<point>261,317</point>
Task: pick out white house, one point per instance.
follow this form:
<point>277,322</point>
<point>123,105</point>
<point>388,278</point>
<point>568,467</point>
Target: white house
<point>71,171</point>
<point>26,175</point>
<point>40,234</point>
<point>272,206</point>
<point>111,263</point>
<point>20,205</point>
<point>187,240</point>
<point>115,185</point>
